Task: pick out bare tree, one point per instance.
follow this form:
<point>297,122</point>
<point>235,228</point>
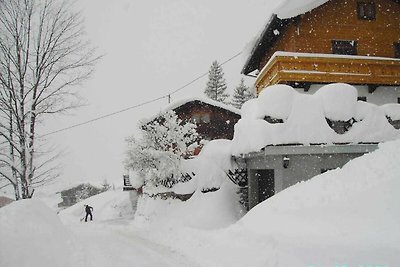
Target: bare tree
<point>43,55</point>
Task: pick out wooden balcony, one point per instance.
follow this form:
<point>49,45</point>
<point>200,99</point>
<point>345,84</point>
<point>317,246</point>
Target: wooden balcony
<point>305,68</point>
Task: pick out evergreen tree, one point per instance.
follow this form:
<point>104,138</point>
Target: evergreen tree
<point>216,85</point>
<point>241,94</point>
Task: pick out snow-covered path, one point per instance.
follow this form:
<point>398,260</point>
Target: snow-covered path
<point>113,243</point>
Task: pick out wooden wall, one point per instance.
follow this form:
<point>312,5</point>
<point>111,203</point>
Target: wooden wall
<point>314,31</point>
<point>217,128</point>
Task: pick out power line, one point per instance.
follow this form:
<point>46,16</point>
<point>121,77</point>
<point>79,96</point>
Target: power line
<point>104,116</point>
<point>141,104</point>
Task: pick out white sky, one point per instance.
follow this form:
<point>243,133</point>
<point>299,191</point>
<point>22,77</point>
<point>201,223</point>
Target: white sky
<point>151,48</point>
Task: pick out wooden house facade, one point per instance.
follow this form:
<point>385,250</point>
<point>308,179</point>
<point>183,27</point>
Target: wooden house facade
<point>213,120</point>
<point>349,41</point>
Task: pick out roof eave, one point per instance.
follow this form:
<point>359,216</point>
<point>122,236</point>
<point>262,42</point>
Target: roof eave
<point>265,41</point>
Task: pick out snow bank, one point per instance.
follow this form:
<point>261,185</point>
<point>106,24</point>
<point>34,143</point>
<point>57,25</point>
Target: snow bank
<point>109,205</point>
<point>353,211</point>
<point>212,164</point>
<point>205,209</point>
<point>210,210</point>
<point>345,217</point>
<point>305,118</point>
<point>33,235</point>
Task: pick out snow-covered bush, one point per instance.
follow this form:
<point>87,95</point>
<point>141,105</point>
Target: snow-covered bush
<point>157,154</point>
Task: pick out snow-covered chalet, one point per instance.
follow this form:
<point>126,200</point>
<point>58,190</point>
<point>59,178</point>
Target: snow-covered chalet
<point>214,120</point>
<point>309,43</point>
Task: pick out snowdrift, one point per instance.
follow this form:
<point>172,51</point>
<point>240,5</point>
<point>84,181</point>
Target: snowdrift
<point>33,235</point>
<point>212,210</point>
<point>345,216</point>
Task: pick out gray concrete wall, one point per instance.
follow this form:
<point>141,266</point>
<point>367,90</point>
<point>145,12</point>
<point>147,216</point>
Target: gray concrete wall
<point>301,168</point>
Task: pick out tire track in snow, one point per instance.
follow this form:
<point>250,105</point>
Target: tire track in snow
<point>115,245</point>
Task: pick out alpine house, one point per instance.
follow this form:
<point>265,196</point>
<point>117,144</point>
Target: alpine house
<point>309,43</point>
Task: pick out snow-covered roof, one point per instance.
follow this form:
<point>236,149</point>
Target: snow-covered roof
<point>304,118</point>
<point>286,9</point>
<point>183,101</point>
<point>205,100</point>
<point>292,8</point>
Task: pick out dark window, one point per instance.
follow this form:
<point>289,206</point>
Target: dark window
<point>266,183</point>
<point>366,10</point>
<point>398,100</point>
<point>362,98</point>
<point>397,50</point>
<point>344,47</point>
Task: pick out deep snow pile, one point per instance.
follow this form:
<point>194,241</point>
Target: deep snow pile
<point>210,210</point>
<point>345,217</point>
<point>31,234</point>
<point>209,167</point>
<point>305,118</point>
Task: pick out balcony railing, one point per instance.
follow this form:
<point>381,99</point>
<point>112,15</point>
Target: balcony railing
<point>307,68</point>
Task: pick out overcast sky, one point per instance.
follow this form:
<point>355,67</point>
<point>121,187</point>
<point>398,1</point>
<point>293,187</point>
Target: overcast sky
<point>151,47</point>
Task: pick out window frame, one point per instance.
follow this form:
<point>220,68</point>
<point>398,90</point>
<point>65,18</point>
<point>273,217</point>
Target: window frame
<point>366,10</point>
<point>338,47</point>
<point>396,47</point>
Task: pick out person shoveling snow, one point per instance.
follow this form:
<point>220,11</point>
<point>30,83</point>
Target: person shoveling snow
<point>88,210</point>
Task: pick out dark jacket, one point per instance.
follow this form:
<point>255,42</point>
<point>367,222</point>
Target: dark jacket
<point>88,209</point>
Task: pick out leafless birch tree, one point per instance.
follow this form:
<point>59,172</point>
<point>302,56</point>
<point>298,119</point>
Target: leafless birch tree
<point>43,55</point>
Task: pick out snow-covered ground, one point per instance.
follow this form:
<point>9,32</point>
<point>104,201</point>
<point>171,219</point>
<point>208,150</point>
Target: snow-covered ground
<point>345,217</point>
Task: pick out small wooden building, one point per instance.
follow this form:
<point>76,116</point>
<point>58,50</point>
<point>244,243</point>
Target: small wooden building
<point>214,120</point>
<point>349,41</point>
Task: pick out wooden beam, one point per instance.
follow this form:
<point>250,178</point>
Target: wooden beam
<point>290,69</point>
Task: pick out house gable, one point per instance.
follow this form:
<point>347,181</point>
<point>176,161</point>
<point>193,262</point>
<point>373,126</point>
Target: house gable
<point>213,122</point>
<point>315,31</point>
